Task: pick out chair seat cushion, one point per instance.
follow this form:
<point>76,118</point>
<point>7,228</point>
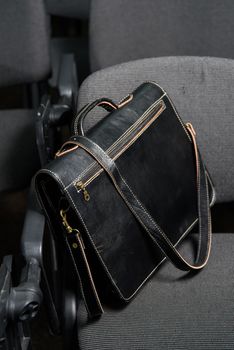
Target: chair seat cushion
<point>18,152</point>
<point>174,310</point>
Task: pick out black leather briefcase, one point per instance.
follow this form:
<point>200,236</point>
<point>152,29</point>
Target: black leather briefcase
<point>125,194</point>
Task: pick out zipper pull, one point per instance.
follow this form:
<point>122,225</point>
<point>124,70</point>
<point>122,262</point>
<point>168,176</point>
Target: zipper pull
<point>81,187</point>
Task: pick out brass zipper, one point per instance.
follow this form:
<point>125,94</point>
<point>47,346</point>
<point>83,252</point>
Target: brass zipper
<point>135,125</point>
<point>91,174</point>
<point>80,185</point>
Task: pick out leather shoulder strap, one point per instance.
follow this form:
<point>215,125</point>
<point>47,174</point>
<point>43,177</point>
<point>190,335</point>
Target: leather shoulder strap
<point>145,219</point>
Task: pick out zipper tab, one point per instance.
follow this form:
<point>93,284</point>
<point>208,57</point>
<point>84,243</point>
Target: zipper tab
<point>80,186</point>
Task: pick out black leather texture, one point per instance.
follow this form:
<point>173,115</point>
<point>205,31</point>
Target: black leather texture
<point>145,194</point>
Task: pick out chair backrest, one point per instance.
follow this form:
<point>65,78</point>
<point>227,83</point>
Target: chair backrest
<point>24,42</point>
<point>202,90</point>
<point>69,8</point>
<point>124,30</point>
<point>24,58</point>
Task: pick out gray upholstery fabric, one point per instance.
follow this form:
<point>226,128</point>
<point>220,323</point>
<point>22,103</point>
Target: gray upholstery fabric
<point>18,154</point>
<point>172,311</point>
<point>69,8</point>
<point>202,90</point>
<point>24,42</point>
<point>124,30</point>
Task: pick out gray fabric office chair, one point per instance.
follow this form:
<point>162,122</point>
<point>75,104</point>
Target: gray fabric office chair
<point>24,59</point>
<point>124,30</point>
<point>175,310</point>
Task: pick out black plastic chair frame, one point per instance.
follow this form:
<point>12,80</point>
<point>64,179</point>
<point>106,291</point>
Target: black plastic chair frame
<point>18,305</point>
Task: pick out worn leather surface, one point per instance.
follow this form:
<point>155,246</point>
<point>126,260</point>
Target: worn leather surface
<point>143,216</point>
<point>160,169</point>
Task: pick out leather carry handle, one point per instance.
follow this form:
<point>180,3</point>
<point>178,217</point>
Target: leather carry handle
<point>106,103</point>
<point>145,219</point>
